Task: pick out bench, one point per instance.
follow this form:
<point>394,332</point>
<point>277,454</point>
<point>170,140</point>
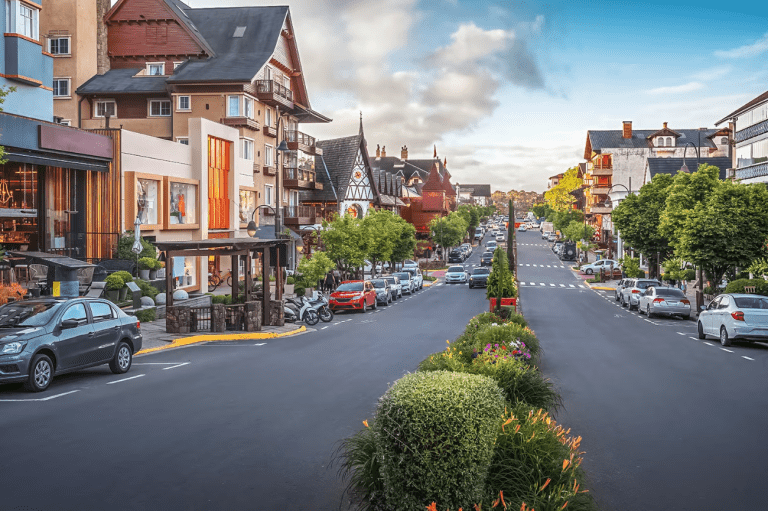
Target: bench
<point>110,266</point>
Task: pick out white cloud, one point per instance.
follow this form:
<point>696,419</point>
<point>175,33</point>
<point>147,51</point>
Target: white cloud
<point>677,89</point>
<point>712,73</point>
<point>470,43</point>
<point>748,50</point>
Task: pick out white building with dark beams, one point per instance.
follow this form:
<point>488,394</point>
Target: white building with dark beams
<point>750,128</point>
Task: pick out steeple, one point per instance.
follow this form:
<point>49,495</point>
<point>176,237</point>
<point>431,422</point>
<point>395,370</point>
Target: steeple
<point>434,155</point>
<point>361,123</point>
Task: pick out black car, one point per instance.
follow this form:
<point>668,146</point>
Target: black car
<point>456,256</point>
<point>46,337</point>
<point>486,259</point>
<point>383,291</point>
<point>479,277</point>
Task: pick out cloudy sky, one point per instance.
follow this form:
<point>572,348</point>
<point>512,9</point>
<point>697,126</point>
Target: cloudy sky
<point>507,90</point>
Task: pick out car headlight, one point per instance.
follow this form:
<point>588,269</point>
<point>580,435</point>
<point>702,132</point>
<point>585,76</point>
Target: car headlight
<point>12,348</point>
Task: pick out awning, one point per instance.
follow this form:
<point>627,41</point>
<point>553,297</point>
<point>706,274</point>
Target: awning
<point>40,159</point>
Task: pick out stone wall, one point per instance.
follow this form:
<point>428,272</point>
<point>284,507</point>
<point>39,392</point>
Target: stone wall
<point>218,318</point>
<point>253,316</point>
<point>177,319</point>
<point>102,56</point>
<point>277,314</point>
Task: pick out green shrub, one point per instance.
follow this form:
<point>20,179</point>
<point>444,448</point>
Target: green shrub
<point>125,243</point>
<point>299,289</point>
<point>436,432</point>
<point>124,275</point>
<point>737,286</point>
<point>430,278</point>
<point>114,282</point>
<point>631,267</point>
<point>536,463</point>
<point>147,289</point>
<point>147,315</point>
<point>593,281</point>
<point>290,280</point>
<point>496,334</point>
<point>361,466</point>
<point>146,263</point>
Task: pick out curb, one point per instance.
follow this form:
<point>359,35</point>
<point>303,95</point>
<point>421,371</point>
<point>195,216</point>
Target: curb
<point>602,288</point>
<point>186,341</point>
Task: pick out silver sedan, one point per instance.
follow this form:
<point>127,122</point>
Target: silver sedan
<point>667,301</point>
<point>735,316</point>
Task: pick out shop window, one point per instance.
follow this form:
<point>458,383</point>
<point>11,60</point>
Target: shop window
<point>147,201</point>
<point>159,108</point>
<point>185,271</point>
<point>18,205</point>
<point>104,108</point>
<point>182,204</point>
<point>247,206</point>
<point>218,182</point>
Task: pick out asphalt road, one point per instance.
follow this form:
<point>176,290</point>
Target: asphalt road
<point>230,426</point>
<point>668,421</point>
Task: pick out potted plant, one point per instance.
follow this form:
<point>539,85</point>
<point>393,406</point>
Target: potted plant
<point>126,278</point>
<point>290,282</point>
<point>156,265</point>
<point>114,284</point>
<point>145,265</point>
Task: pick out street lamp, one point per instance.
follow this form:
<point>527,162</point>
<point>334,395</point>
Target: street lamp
<point>251,228</point>
<point>684,168</point>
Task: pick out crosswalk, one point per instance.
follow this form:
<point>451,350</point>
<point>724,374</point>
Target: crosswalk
<point>533,245</point>
<point>551,285</point>
<point>543,265</point>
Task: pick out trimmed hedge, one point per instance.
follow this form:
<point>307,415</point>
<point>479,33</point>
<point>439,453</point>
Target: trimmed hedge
<point>435,434</point>
<point>737,286</point>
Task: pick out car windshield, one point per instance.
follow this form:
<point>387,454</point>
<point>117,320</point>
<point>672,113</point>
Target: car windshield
<point>456,269</point>
<point>647,284</point>
<point>404,275</point>
<point>391,280</point>
<point>379,283</point>
<point>481,271</point>
<point>350,286</point>
<point>488,254</point>
<point>669,292</point>
<point>27,314</point>
<point>751,302</point>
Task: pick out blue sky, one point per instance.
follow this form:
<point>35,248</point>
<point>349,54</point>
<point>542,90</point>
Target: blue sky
<point>508,90</point>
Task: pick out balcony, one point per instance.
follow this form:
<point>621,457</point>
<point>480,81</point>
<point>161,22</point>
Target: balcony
<point>298,178</point>
<point>600,210</point>
<point>272,93</point>
<point>300,215</point>
<point>256,168</point>
<point>270,131</point>
<point>602,170</point>
<point>298,141</point>
<point>269,170</point>
<point>25,61</point>
<point>599,189</point>
<point>241,122</point>
<point>751,132</point>
<point>752,171</point>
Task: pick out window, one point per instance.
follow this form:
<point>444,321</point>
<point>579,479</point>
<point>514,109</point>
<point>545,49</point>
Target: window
<point>76,312</point>
<point>106,108</point>
<point>724,141</point>
<point>670,142</point>
<point>147,203</point>
<point>267,73</point>
<point>233,106</point>
<point>185,103</point>
<point>61,87</point>
<point>27,21</point>
<point>248,108</point>
<point>159,108</point>
<point>176,64</point>
<point>267,117</point>
<point>182,140</point>
<point>101,311</point>
<point>269,159</point>
<point>58,46</point>
<point>247,205</point>
<point>65,122</point>
<point>182,207</point>
<point>268,189</point>
<point>247,149</point>
<point>660,142</point>
<point>287,82</point>
<point>155,68</point>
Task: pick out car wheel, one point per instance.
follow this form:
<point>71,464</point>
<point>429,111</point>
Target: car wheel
<point>311,317</point>
<point>375,304</point>
<point>40,374</point>
<point>365,307</point>
<point>724,339</point>
<point>700,328</point>
<point>648,311</point>
<point>589,271</point>
<point>123,359</point>
<point>470,285</point>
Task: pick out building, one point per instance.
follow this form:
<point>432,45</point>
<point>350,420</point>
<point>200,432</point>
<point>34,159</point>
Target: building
<point>672,166</point>
<point>78,45</point>
<point>25,62</point>
<point>479,195</point>
<point>237,66</point>
<point>750,135</point>
<point>554,181</point>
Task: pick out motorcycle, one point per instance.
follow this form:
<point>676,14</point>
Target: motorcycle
<point>298,309</point>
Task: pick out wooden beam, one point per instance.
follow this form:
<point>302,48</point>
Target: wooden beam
<point>169,279</point>
<point>266,320</point>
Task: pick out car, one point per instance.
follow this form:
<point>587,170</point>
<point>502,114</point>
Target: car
<point>408,263</point>
<point>467,247</point>
<point>500,237</point>
<point>486,259</point>
<point>394,286</point>
<point>353,295</point>
<point>522,228</point>
<point>466,251</point>
<point>368,267</point>
<point>557,247</point>
<point>619,288</point>
<point>418,280</point>
<point>552,237</point>
<point>630,295</point>
<point>666,301</point>
<point>383,291</point>
<point>47,337</point>
<point>456,274</point>
<point>406,281</point>
<point>545,235</point>
<point>604,264</point>
<point>456,256</point>
<point>479,277</point>
<point>491,245</point>
<point>735,316</point>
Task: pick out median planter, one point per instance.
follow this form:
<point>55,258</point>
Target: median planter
<point>504,302</point>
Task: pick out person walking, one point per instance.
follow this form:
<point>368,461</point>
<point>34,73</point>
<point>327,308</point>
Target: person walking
<point>329,282</point>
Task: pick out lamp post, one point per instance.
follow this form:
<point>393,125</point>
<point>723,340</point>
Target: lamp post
<point>684,168</point>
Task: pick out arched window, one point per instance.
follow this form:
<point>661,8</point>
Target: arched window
<point>669,142</point>
<point>660,142</point>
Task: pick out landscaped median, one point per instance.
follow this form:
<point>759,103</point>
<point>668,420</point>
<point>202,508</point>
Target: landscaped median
<point>249,336</point>
<point>471,429</point>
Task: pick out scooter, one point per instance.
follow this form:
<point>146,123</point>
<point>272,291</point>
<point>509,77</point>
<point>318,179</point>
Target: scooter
<point>323,309</point>
<point>297,309</point>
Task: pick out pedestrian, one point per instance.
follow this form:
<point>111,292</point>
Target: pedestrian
<point>320,285</point>
<point>329,282</point>
<point>336,278</point>
<point>684,286</point>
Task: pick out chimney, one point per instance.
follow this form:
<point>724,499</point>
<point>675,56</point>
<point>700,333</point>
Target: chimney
<point>665,125</point>
<point>404,152</point>
<point>627,129</point>
<point>378,151</point>
<point>384,152</point>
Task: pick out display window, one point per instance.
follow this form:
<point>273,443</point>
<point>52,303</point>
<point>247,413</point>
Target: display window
<point>144,201</point>
<point>147,200</point>
<point>185,272</point>
<point>182,196</point>
<point>247,205</point>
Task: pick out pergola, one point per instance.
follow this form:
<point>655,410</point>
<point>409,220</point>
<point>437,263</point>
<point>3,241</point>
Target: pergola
<point>270,250</point>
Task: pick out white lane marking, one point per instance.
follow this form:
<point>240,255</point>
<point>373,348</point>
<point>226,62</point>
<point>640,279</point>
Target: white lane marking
<point>38,399</point>
<point>552,284</point>
<point>548,266</point>
<point>126,379</point>
<point>156,363</point>
<point>694,338</point>
<point>260,344</point>
<point>527,264</point>
<point>541,283</point>
<point>571,285</point>
<point>582,287</point>
<point>709,344</point>
<point>177,365</point>
<point>747,358</point>
<point>323,328</point>
<point>729,351</point>
<point>562,285</point>
<point>680,333</point>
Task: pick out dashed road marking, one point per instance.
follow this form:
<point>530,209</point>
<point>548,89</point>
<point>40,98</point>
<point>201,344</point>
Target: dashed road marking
<point>729,351</point>
<point>709,344</point>
<point>552,285</point>
<point>680,333</point>
<point>541,283</point>
<point>39,399</point>
<point>260,344</point>
<point>747,358</point>
<point>694,338</point>
<point>126,379</point>
<point>177,365</point>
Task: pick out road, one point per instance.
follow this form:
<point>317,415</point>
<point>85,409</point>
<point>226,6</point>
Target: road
<point>669,421</point>
<point>230,426</point>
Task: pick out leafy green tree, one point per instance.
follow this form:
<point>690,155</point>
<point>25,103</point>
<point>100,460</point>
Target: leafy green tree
<point>728,229</point>
<point>404,242</point>
<point>448,231</point>
<point>576,231</point>
<point>542,211</point>
<point>471,214</point>
<point>346,242</point>
<point>314,268</point>
<point>562,219</point>
<point>631,267</point>
<point>684,193</point>
<point>381,233</point>
<point>501,281</point>
<point>559,197</point>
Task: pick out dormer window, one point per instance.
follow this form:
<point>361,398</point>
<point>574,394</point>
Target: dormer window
<point>660,142</point>
<point>670,142</point>
<point>155,68</point>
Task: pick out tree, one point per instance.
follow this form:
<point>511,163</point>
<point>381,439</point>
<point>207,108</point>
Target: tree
<point>542,210</point>
<point>346,242</point>
<point>448,231</point>
<point>559,197</point>
<point>471,215</point>
<point>501,282</point>
<point>381,233</point>
<point>404,242</point>
<point>576,231</point>
<point>638,218</point>
<point>511,235</point>
<point>562,219</point>
<point>313,269</point>
<point>685,192</point>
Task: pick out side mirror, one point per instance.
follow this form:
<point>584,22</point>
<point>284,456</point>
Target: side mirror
<point>703,308</point>
<point>69,323</point>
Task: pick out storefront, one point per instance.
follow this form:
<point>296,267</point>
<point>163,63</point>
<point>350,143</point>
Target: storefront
<point>57,191</point>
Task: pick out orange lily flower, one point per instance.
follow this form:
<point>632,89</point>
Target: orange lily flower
<point>545,484</point>
<point>365,423</point>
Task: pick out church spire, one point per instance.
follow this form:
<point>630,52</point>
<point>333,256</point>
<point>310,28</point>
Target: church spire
<point>434,155</point>
<point>361,123</point>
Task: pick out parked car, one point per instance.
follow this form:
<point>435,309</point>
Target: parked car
<point>595,267</point>
<point>491,245</point>
<point>394,286</point>
<point>500,237</point>
<point>408,263</point>
<point>552,237</point>
<point>47,337</point>
<point>479,277</point>
<point>630,295</point>
<point>456,256</point>
<point>418,280</point>
<point>545,235</point>
<point>735,316</point>
<point>522,228</point>
<point>486,259</point>
<point>557,247</point>
<point>620,288</point>
<point>667,301</point>
<point>383,291</point>
<point>456,274</point>
<point>367,268</point>
<point>353,295</point>
<point>468,247</point>
<point>406,281</point>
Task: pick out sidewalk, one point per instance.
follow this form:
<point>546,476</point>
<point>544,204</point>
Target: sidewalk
<point>155,338</point>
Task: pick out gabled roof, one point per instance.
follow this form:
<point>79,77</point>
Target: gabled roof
<point>477,190</point>
<point>672,165</point>
<point>760,99</point>
<point>664,132</point>
<point>598,140</point>
<point>123,81</point>
<point>339,156</point>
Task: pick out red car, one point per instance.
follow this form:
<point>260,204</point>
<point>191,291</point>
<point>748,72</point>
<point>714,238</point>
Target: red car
<point>353,295</point>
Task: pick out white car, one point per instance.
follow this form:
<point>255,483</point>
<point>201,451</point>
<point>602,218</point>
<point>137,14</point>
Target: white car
<point>735,316</point>
<point>408,263</point>
<point>522,228</point>
<point>500,237</point>
<point>418,280</point>
<point>456,274</point>
<point>595,267</point>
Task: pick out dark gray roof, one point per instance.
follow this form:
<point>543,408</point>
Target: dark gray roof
<point>613,139</point>
<point>672,165</point>
<point>477,190</point>
<point>121,81</point>
<point>237,58</point>
<point>181,10</point>
<point>338,158</point>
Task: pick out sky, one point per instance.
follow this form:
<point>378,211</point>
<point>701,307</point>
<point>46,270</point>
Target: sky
<point>507,90</point>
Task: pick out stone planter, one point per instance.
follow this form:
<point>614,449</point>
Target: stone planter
<point>289,289</point>
<point>308,291</point>
<point>113,295</point>
<point>152,274</point>
<point>144,274</point>
<point>123,293</point>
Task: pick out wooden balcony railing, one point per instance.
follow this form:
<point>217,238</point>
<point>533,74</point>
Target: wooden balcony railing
<point>274,94</point>
<point>297,177</point>
<point>269,170</point>
<point>270,131</point>
<point>298,141</point>
<point>300,215</point>
<point>241,122</point>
